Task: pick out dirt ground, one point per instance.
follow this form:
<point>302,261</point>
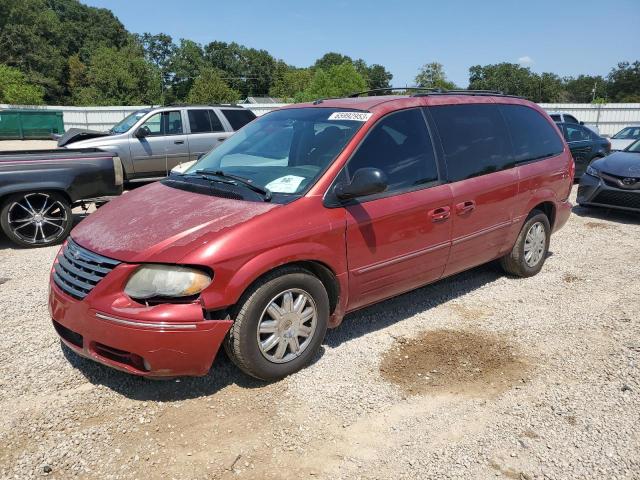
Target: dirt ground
<point>477,376</point>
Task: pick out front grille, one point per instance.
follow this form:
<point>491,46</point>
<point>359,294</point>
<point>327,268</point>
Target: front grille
<point>78,270</point>
<point>618,199</point>
<point>632,183</point>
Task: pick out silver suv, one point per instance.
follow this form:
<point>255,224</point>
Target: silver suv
<point>152,141</point>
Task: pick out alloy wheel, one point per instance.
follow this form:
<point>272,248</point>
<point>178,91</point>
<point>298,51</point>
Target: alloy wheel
<point>38,219</point>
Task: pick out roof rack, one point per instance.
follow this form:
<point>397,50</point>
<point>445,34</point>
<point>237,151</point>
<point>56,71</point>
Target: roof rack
<point>202,105</point>
<point>423,92</point>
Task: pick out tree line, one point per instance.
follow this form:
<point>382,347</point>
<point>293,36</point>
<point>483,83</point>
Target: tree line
<point>64,52</point>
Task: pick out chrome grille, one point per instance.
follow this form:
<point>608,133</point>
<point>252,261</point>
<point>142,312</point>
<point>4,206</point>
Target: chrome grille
<point>78,270</point>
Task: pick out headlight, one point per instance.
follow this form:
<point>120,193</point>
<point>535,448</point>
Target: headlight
<point>592,171</point>
<point>151,281</point>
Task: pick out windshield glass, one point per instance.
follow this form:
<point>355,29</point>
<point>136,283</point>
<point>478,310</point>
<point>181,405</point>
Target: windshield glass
<point>629,133</point>
<point>634,147</point>
<point>128,122</point>
<point>286,150</point>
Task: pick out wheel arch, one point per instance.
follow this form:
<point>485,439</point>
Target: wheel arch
<point>549,209</point>
<point>42,188</point>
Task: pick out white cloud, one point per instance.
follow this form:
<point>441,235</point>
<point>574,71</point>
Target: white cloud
<point>526,60</point>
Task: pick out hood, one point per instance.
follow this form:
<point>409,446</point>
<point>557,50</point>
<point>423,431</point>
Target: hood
<point>620,143</point>
<point>620,164</point>
<point>76,134</point>
<point>158,223</point>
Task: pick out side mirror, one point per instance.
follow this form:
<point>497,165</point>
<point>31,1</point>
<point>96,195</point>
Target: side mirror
<point>366,181</point>
<point>141,133</point>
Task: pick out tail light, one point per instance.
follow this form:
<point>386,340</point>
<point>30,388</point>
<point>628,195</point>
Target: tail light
<point>117,169</point>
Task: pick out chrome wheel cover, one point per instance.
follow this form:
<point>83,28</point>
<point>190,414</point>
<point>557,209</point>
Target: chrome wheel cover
<point>534,244</point>
<point>37,219</point>
<point>287,325</point>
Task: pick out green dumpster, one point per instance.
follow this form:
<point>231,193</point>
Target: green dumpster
<point>23,124</point>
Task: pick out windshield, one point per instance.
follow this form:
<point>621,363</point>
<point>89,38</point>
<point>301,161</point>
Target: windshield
<point>128,121</point>
<point>286,150</point>
<point>634,147</point>
<point>629,133</point>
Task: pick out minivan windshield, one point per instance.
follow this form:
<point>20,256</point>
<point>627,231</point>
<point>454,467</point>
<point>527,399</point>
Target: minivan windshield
<point>284,151</point>
<point>129,121</point>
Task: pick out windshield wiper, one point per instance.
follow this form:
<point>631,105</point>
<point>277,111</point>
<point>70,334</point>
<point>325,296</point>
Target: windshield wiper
<point>264,191</point>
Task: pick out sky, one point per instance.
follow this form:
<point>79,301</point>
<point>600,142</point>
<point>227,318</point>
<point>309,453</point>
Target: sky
<point>566,37</point>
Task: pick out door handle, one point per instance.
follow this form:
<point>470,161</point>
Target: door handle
<point>465,207</point>
<point>439,214</point>
<point>179,142</point>
<point>221,139</point>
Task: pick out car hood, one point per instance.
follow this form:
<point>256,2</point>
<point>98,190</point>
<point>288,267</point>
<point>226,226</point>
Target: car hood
<point>620,143</point>
<point>158,223</point>
<point>74,135</point>
<point>621,164</point>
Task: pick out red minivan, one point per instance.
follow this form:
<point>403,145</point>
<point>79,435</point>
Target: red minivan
<point>305,214</point>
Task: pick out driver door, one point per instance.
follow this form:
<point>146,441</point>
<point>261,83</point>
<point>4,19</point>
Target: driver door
<point>164,144</point>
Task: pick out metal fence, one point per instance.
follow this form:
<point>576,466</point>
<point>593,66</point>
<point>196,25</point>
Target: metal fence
<point>609,118</point>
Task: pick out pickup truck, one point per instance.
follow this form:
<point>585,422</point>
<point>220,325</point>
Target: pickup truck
<point>39,188</point>
<point>152,141</point>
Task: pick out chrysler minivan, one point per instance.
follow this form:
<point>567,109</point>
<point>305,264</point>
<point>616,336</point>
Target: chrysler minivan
<point>305,214</point>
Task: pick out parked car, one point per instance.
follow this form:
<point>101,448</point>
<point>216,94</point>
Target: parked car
<point>151,141</point>
<point>564,117</point>
<point>625,137</point>
<point>39,188</point>
<point>613,181</point>
<point>305,214</point>
<point>584,144</point>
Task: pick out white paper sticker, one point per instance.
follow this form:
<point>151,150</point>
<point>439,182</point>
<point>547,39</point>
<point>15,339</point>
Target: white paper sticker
<point>286,184</point>
<point>355,116</point>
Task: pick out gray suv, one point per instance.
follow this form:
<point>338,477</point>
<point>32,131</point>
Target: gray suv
<point>152,141</point>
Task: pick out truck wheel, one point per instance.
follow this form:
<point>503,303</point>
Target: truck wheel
<point>280,324</point>
<point>36,219</point>
<point>530,251</point>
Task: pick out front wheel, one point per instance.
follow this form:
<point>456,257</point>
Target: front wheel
<point>280,324</point>
<point>530,251</point>
<point>36,219</point>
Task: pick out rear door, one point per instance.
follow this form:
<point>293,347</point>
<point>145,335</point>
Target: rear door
<point>581,145</point>
<point>206,131</point>
<point>397,240</point>
<point>479,158</point>
<point>165,145</point>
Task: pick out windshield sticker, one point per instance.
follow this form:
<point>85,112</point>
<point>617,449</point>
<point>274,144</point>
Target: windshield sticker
<point>355,116</point>
<point>286,184</point>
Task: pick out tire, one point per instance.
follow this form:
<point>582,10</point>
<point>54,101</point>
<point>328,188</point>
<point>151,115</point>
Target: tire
<point>243,342</point>
<point>36,219</point>
<point>517,262</point>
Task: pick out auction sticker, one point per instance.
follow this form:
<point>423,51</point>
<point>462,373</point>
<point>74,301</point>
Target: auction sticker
<point>355,116</point>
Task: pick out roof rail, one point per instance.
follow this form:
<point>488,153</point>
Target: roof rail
<point>202,105</point>
<point>423,91</point>
<point>390,89</point>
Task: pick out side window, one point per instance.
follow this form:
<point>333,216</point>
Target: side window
<point>532,136</point>
<point>153,126</point>
<point>576,133</point>
<point>216,124</point>
<point>199,121</point>
<point>474,139</point>
<point>571,119</point>
<point>172,122</point>
<point>238,118</point>
<point>400,146</point>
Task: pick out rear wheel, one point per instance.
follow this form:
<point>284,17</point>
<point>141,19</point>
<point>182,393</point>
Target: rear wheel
<point>36,219</point>
<point>530,251</point>
<point>280,324</point>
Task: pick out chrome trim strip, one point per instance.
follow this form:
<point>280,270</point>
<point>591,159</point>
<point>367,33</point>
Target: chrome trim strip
<point>401,258</point>
<point>129,323</point>
<point>479,233</point>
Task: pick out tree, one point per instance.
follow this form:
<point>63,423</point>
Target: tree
<point>185,66</point>
<point>331,59</point>
<point>432,75</point>
<point>378,77</point>
<point>290,82</point>
<point>159,50</point>
<point>209,87</point>
<point>513,79</point>
<point>581,88</point>
<point>335,81</point>
<point>624,82</point>
<point>15,90</point>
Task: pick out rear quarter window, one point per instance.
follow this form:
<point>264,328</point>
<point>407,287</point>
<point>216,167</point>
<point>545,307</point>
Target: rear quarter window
<point>238,118</point>
<point>533,137</point>
<point>474,138</point>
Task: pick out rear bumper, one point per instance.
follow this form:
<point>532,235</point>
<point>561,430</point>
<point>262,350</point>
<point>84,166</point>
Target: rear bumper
<point>594,191</point>
<point>152,349</point>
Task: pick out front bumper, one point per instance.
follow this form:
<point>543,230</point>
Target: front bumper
<point>595,191</point>
<point>159,346</point>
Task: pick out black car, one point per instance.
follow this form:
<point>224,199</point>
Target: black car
<point>585,145</point>
<point>613,181</point>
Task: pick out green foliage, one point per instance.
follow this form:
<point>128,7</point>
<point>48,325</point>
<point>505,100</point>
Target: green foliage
<point>209,87</point>
<point>581,88</point>
<point>289,81</point>
<point>185,66</point>
<point>624,82</point>
<point>513,79</point>
<point>378,77</point>
<point>14,88</point>
<point>331,59</point>
<point>432,75</point>
<point>335,81</point>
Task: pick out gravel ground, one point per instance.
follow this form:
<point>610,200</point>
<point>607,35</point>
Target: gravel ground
<point>477,376</point>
